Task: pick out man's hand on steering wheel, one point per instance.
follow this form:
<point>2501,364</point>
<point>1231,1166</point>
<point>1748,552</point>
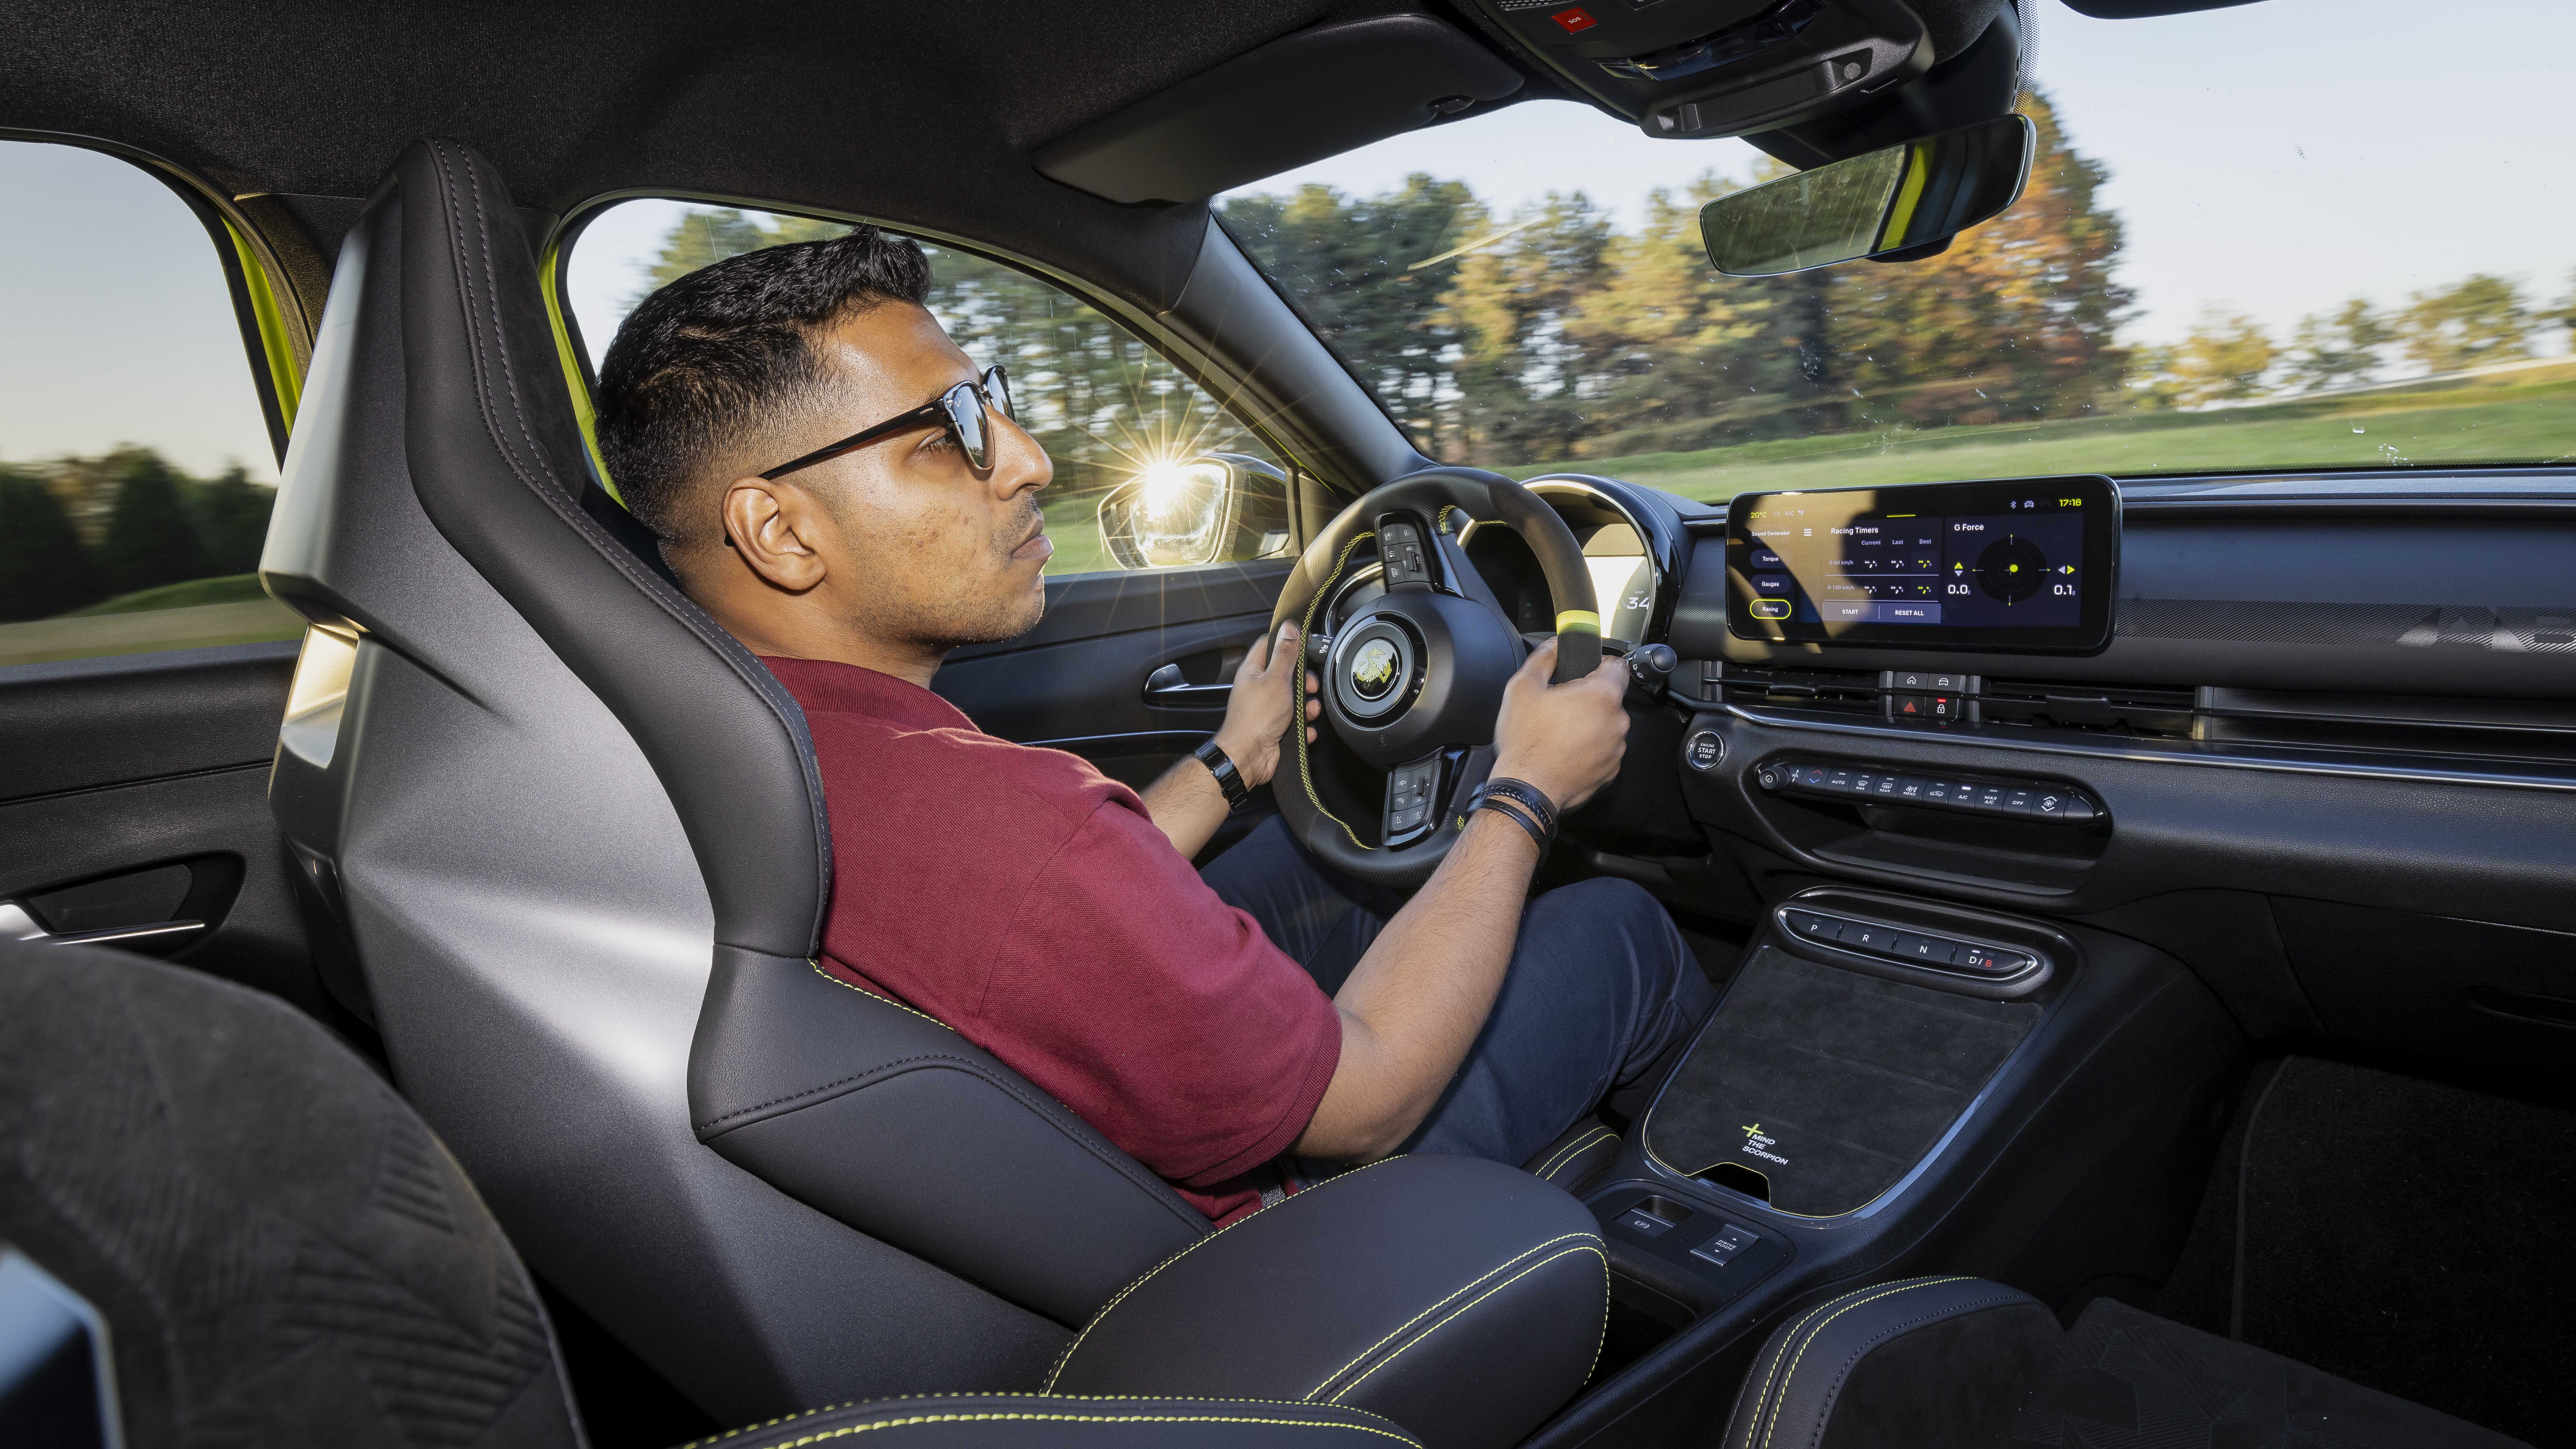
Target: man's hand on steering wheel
<point>1566,740</point>
<point>1256,714</point>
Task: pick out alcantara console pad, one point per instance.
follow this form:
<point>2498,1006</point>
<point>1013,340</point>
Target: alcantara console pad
<point>1830,1084</point>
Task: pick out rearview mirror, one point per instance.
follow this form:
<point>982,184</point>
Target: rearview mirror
<point>1918,194</point>
<point>1212,508</point>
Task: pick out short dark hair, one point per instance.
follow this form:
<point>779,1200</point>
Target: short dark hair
<point>723,353</point>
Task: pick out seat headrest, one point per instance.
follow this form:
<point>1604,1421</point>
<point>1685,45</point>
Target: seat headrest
<point>497,459</point>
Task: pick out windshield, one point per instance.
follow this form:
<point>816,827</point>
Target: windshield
<point>2298,235</point>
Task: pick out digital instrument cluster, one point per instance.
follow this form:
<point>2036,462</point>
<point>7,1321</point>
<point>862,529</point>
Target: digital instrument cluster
<point>2026,564</point>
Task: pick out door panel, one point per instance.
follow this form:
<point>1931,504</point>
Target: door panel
<point>91,722</point>
<point>134,792</point>
<point>1080,675</point>
<point>1077,681</point>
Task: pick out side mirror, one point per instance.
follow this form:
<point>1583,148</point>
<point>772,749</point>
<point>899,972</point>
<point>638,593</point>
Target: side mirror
<point>1919,194</point>
<point>1212,508</point>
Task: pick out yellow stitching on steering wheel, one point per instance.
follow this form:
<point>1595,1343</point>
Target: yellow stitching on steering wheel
<point>1297,710</point>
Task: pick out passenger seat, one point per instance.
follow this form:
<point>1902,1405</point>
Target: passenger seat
<point>1930,1363</point>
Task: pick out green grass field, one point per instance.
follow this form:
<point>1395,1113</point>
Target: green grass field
<point>2527,416</point>
<point>228,589</point>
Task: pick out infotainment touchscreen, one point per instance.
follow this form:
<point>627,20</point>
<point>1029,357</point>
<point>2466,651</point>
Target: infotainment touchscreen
<point>2027,564</point>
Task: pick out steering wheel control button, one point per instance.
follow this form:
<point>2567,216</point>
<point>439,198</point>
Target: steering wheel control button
<point>2037,801</point>
<point>1408,796</point>
<point>1399,547</point>
<point>1704,750</point>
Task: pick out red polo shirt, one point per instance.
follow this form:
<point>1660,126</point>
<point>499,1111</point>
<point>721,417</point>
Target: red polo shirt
<point>1026,900</point>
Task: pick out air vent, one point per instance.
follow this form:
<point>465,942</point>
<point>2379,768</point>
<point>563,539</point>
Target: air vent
<point>2524,729</point>
<point>2144,710</point>
<point>1844,691</point>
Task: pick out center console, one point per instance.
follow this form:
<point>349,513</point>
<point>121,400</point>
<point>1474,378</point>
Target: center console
<point>1891,1084</point>
<point>1925,1060</point>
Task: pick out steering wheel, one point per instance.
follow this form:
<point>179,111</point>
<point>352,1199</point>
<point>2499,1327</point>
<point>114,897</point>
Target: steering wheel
<point>1411,683</point>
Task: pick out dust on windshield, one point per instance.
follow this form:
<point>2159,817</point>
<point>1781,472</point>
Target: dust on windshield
<point>1558,335</point>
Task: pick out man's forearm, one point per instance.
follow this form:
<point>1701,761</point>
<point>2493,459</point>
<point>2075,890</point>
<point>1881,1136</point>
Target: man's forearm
<point>1418,997</point>
<point>1187,805</point>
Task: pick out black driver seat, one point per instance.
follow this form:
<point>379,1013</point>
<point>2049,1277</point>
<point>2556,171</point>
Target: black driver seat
<point>574,835</point>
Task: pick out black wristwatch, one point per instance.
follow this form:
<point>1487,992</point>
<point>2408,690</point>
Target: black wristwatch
<point>1228,778</point>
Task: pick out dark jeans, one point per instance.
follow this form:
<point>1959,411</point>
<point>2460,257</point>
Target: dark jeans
<point>1601,995</point>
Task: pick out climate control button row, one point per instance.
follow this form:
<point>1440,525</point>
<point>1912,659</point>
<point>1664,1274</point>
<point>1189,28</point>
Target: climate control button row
<point>2035,800</point>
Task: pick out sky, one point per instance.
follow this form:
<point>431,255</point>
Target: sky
<point>2274,158</point>
<point>117,324</point>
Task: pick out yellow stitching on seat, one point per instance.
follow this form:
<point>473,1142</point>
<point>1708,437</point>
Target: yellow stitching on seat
<point>1577,1145</point>
<point>1818,1332</point>
<point>848,1430</point>
<point>1481,1297</point>
<point>1576,1148</point>
<point>1762,1400</point>
<point>872,996</point>
<point>1067,1356</point>
<point>1601,1340</point>
<point>1297,701</point>
<point>1023,1394</point>
<point>1436,1307</point>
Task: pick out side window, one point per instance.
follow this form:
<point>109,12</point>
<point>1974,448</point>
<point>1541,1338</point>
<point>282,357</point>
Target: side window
<point>136,470</point>
<point>1184,481</point>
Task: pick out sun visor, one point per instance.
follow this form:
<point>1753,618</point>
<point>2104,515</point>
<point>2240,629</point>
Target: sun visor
<point>1307,95</point>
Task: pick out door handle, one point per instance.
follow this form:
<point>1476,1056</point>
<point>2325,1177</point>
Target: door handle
<point>17,925</point>
<point>1165,689</point>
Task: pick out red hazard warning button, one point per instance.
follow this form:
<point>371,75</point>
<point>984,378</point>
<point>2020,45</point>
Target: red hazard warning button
<point>1575,20</point>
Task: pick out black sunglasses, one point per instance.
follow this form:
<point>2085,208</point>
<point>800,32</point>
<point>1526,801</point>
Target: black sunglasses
<point>961,410</point>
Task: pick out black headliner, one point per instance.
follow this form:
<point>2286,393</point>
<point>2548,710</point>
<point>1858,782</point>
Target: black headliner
<point>790,103</point>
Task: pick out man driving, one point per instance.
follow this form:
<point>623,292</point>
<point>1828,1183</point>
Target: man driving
<point>833,480</point>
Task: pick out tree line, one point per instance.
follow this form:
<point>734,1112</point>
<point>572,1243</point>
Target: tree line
<point>2478,321</point>
<point>1101,402</point>
<point>77,531</point>
<point>1552,334</point>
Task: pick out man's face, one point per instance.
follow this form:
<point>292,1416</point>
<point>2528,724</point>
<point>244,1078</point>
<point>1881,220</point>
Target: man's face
<point>920,548</point>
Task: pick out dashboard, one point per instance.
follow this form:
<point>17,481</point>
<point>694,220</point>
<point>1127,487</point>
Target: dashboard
<point>2314,736</point>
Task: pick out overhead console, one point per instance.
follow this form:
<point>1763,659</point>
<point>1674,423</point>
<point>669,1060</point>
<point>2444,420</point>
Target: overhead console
<point>1694,68</point>
<point>2029,566</point>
